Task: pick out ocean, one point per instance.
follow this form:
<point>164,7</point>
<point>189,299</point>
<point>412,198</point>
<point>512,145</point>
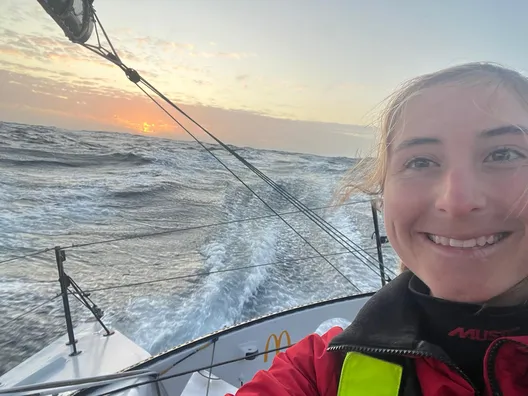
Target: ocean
<point>68,188</point>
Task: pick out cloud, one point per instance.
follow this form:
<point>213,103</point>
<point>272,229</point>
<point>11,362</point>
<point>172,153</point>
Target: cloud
<point>41,48</point>
<point>59,76</point>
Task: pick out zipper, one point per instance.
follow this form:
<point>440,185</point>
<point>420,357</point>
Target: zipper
<point>490,369</point>
<point>490,366</point>
<point>405,353</point>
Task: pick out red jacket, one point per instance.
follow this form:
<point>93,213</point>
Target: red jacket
<point>313,365</point>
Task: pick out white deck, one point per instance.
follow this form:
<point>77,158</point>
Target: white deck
<point>116,356</point>
<point>99,355</point>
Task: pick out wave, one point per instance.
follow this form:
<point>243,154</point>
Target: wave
<point>37,158</point>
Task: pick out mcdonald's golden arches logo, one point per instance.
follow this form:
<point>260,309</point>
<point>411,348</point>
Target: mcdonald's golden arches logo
<point>277,341</point>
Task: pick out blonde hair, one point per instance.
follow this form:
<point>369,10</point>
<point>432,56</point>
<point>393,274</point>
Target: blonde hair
<point>368,176</point>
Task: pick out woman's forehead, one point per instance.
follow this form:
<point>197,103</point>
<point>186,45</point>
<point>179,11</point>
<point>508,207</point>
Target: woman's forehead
<point>460,109</point>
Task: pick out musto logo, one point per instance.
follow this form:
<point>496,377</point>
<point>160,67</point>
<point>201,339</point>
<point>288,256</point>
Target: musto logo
<point>277,343</point>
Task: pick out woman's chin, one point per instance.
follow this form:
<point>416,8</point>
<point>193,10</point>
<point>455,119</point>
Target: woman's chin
<point>459,287</point>
<point>464,295</point>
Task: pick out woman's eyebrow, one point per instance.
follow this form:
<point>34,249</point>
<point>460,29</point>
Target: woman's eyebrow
<point>498,131</point>
<point>416,142</point>
<point>505,130</point>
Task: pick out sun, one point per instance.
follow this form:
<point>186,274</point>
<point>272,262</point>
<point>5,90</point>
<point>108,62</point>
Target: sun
<point>147,128</point>
<point>135,125</point>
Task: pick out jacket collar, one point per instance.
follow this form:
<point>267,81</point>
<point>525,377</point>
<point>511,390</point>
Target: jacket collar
<point>389,319</point>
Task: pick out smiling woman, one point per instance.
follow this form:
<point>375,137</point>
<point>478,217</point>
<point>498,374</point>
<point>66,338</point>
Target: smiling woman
<point>455,187</point>
<point>452,169</point>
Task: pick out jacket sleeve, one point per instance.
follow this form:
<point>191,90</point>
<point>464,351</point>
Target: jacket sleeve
<point>304,369</point>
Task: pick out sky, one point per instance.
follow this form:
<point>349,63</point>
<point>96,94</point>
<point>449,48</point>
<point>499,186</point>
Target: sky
<point>296,75</point>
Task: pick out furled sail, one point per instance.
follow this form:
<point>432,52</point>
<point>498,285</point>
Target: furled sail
<point>75,17</point>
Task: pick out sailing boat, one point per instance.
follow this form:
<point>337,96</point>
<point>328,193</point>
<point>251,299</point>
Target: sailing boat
<point>93,359</point>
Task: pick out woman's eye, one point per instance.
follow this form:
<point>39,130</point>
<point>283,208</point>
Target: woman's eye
<point>504,155</point>
<point>418,163</point>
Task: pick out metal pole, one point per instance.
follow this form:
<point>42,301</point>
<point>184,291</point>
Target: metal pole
<point>378,241</point>
<point>60,256</point>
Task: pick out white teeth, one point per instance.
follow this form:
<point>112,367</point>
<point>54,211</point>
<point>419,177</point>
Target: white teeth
<point>481,241</point>
<point>456,243</point>
<point>468,243</point>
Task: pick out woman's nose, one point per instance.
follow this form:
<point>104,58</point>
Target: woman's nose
<point>459,193</point>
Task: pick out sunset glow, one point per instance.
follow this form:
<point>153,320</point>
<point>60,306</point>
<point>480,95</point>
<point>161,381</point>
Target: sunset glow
<point>132,123</point>
<point>148,128</point>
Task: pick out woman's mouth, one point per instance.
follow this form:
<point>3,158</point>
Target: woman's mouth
<point>477,242</point>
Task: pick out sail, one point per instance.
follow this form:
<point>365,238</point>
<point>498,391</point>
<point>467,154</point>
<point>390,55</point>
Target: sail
<point>75,17</point>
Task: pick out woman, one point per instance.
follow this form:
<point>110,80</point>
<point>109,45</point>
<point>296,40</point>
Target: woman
<point>453,173</point>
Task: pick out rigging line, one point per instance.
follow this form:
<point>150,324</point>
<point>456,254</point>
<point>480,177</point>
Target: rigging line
<point>30,310</point>
<point>171,230</point>
<point>188,355</point>
<point>323,224</point>
<point>208,273</point>
<point>298,204</point>
<point>106,36</point>
<point>74,294</point>
<point>259,173</point>
<point>85,295</point>
<point>308,212</point>
<point>26,255</point>
<point>271,215</point>
<point>222,363</point>
<point>266,179</point>
<point>246,185</point>
<point>210,371</point>
<point>136,78</point>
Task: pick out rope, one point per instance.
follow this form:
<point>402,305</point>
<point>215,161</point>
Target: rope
<point>25,256</point>
<point>209,367</point>
<point>174,230</point>
<point>234,174</point>
<point>359,201</point>
<point>179,277</point>
<point>137,79</point>
<point>210,371</point>
<point>255,170</point>
<point>325,226</point>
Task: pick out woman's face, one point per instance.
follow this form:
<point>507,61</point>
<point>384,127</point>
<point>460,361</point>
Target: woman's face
<point>456,191</point>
